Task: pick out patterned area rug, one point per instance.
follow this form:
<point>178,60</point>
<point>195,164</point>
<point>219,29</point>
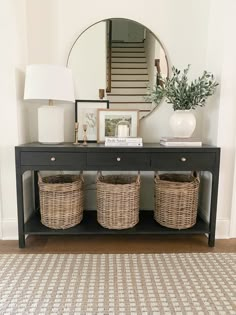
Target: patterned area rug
<point>118,284</point>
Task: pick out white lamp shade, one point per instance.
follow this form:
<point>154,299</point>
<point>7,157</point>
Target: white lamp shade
<point>49,82</point>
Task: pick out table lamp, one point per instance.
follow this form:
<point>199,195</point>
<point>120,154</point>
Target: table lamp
<point>51,83</point>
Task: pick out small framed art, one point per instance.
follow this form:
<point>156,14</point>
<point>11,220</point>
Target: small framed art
<point>117,123</point>
<point>86,113</point>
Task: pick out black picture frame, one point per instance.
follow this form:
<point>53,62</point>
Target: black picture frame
<point>86,113</point>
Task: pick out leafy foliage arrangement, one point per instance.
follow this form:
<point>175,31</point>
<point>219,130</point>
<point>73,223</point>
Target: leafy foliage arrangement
<point>182,94</point>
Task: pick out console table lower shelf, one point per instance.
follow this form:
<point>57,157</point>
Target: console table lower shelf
<point>89,226</point>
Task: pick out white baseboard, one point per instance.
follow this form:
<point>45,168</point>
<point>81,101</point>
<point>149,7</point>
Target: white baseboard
<point>222,229</point>
<point>10,229</point>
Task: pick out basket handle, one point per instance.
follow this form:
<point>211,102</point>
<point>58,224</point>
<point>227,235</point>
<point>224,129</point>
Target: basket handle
<point>138,178</point>
<point>99,173</point>
<point>81,175</point>
<point>196,175</point>
<point>40,180</point>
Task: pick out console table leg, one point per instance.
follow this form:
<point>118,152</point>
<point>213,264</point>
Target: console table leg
<point>213,206</point>
<point>20,208</point>
<point>36,191</point>
<point>21,240</point>
<point>211,240</point>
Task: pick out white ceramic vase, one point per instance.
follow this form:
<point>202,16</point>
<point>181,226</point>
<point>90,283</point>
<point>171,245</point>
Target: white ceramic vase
<point>182,123</point>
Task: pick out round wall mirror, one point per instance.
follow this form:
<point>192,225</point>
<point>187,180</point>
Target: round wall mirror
<point>116,60</point>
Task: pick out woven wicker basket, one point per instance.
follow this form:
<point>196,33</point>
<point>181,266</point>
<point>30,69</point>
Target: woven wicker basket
<point>176,200</point>
<point>118,201</point>
<point>61,200</point>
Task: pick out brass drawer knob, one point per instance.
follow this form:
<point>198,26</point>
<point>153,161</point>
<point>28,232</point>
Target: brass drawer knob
<point>118,159</point>
<point>183,159</point>
<point>53,159</point>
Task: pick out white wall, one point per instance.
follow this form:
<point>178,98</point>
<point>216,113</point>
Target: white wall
<point>188,30</point>
<point>163,62</point>
<point>151,47</point>
<point>174,32</point>
<point>227,126</point>
<point>127,31</point>
<point>88,62</point>
<point>219,115</point>
<point>1,217</point>
<point>120,30</point>
<point>12,109</point>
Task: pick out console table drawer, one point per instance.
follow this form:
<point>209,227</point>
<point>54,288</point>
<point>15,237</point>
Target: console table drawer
<point>131,161</point>
<point>183,161</point>
<point>53,158</point>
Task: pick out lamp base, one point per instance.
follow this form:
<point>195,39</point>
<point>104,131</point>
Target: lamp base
<point>50,124</point>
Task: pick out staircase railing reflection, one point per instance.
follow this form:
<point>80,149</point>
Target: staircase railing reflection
<point>158,69</point>
<point>109,54</point>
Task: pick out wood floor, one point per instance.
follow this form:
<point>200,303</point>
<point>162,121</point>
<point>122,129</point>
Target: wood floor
<point>117,244</point>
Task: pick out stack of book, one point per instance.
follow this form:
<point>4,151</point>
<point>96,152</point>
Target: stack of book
<point>123,142</point>
<point>180,142</point>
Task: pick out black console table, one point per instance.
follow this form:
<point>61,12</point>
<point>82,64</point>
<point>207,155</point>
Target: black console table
<point>151,157</point>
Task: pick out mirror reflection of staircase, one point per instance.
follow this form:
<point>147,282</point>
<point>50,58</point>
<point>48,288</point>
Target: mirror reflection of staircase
<point>129,77</point>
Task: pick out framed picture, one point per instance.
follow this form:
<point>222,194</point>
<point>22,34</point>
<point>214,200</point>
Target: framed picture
<point>114,122</point>
<point>86,113</point>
